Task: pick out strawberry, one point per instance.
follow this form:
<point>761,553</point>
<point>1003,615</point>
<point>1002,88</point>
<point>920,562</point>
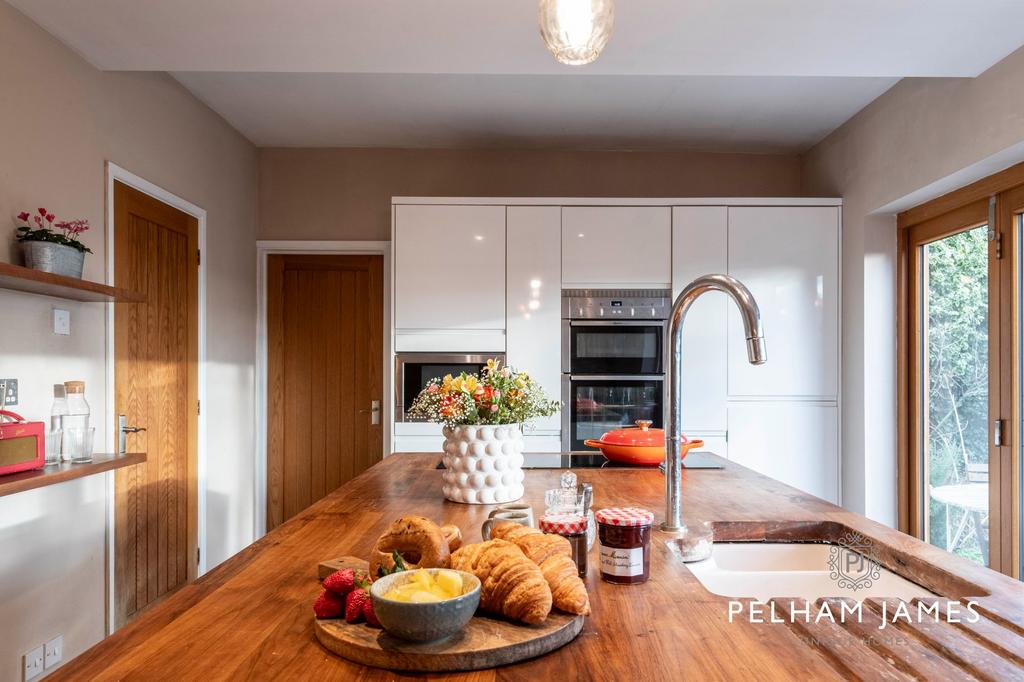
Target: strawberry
<point>368,613</point>
<point>354,602</point>
<point>341,582</point>
<point>328,605</point>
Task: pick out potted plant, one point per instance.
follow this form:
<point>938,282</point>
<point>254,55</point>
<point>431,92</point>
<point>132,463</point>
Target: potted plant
<point>483,415</point>
<point>52,247</point>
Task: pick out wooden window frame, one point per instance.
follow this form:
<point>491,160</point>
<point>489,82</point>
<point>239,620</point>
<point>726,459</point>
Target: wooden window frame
<point>944,216</point>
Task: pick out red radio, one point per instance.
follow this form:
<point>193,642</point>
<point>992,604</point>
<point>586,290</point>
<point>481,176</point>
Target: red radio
<point>22,444</point>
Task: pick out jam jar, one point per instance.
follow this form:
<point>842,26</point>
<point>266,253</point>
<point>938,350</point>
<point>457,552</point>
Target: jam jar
<point>624,534</point>
<point>572,527</point>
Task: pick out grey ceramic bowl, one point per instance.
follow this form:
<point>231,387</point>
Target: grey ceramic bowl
<point>424,622</point>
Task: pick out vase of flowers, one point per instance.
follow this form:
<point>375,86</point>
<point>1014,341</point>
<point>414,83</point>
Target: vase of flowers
<point>483,415</point>
<point>52,246</point>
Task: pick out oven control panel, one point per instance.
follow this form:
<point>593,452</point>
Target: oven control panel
<point>602,304</point>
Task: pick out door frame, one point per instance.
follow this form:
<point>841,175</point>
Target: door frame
<point>119,174</point>
<point>265,248</point>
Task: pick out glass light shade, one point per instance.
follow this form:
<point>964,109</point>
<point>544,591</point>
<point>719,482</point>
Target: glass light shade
<point>575,31</point>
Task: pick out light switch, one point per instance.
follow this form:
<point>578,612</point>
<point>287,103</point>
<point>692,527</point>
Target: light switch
<point>53,652</point>
<point>61,322</point>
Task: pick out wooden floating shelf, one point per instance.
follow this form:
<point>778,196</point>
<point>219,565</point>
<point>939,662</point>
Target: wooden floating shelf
<point>18,278</point>
<point>66,471</point>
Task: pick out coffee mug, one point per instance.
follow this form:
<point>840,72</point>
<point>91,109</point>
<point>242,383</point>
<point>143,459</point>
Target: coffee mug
<point>520,507</point>
<point>499,516</point>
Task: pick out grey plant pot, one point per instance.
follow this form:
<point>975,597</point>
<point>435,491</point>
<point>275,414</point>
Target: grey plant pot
<point>56,258</point>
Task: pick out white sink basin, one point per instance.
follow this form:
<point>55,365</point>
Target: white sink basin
<point>762,571</point>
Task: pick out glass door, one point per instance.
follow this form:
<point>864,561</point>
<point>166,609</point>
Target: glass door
<point>603,404</point>
<point>615,347</point>
<point>955,391</point>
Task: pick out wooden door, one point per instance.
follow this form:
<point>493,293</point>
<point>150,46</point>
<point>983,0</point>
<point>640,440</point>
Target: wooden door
<point>324,361</point>
<point>156,346</point>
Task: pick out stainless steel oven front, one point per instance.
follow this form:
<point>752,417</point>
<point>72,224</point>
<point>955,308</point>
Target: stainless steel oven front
<point>414,370</point>
<point>613,361</point>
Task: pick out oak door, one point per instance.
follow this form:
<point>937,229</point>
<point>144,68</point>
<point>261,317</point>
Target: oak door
<point>324,384</point>
<point>156,344</point>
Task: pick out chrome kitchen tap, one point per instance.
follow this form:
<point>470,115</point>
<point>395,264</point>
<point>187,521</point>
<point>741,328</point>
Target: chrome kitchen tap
<point>756,354</point>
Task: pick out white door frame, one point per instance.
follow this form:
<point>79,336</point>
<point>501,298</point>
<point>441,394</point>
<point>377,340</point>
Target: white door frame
<point>115,172</point>
<point>342,248</point>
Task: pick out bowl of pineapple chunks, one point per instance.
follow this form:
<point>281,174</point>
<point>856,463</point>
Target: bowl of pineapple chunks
<point>425,604</point>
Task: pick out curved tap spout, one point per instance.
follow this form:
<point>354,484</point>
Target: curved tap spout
<point>756,354</point>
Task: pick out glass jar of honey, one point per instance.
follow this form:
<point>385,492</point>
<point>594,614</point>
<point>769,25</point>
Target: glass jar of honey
<point>624,535</point>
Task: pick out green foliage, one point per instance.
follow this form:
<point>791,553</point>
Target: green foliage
<point>957,306</point>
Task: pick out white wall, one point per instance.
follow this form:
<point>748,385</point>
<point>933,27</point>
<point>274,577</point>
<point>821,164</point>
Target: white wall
<point>60,121</point>
<point>919,140</point>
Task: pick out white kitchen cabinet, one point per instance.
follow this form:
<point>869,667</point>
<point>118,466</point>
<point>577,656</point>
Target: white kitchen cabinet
<point>449,271</point>
<point>715,443</point>
<point>616,246</point>
<point>793,442</point>
<point>700,247</point>
<point>533,272</point>
<point>789,259</point>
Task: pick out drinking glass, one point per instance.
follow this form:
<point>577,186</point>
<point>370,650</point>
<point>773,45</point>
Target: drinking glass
<point>53,439</point>
<point>77,445</point>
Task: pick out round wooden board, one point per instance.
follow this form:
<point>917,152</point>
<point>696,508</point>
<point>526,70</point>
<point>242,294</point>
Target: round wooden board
<point>486,642</point>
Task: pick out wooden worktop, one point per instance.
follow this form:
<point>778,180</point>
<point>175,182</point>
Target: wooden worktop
<point>251,617</point>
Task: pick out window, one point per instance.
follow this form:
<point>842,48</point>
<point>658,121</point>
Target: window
<point>960,371</point>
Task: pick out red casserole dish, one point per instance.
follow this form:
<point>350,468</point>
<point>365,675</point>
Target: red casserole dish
<point>639,445</point>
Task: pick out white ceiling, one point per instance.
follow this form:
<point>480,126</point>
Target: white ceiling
<point>753,75</point>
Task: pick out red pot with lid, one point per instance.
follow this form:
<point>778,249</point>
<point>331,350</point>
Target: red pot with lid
<point>639,445</point>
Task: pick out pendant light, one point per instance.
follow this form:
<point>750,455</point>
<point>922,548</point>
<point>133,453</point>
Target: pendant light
<point>575,31</point>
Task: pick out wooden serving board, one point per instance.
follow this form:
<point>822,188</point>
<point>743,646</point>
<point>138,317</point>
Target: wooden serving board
<point>486,642</point>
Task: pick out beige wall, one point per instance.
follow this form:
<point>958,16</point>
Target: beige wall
<point>60,120</point>
<point>346,193</point>
<point>921,138</point>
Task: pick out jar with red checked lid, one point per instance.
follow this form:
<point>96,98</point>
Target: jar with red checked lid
<point>624,535</point>
<point>572,527</point>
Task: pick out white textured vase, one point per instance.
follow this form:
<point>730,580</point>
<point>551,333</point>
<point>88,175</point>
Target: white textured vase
<point>484,464</point>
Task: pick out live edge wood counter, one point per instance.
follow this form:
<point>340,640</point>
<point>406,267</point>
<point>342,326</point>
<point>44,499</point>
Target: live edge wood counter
<point>251,617</point>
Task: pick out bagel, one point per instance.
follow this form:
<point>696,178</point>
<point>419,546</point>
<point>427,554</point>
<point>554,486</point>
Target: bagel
<point>452,535</point>
<point>418,540</point>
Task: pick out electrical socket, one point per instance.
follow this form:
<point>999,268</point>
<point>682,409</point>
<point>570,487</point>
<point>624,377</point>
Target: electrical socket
<point>33,663</point>
<point>53,652</point>
<point>61,322</point>
<point>10,392</point>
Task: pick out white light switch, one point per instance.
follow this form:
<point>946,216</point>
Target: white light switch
<point>32,664</point>
<point>61,322</point>
<point>53,652</point>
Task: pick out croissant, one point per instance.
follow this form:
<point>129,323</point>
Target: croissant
<point>553,554</point>
<point>510,584</point>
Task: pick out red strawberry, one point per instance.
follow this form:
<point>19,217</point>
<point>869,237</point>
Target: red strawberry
<point>328,605</point>
<point>341,582</point>
<point>368,613</point>
<point>354,602</point>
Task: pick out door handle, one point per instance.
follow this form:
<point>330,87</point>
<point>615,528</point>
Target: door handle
<point>374,412</point>
<point>122,433</point>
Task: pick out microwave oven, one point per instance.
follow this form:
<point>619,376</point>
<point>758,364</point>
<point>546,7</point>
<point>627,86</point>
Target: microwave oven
<point>414,370</point>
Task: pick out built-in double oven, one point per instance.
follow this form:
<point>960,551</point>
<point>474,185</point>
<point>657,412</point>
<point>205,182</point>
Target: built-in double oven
<point>613,361</point>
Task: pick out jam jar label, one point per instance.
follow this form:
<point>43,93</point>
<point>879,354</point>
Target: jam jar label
<point>624,562</point>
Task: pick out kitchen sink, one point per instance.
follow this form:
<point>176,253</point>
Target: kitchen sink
<point>763,570</point>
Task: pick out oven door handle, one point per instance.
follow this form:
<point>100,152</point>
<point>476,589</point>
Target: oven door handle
<point>617,377</point>
<point>617,323</point>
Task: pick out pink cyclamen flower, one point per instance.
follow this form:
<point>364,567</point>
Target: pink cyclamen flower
<point>42,211</point>
<point>23,215</point>
<point>494,408</point>
<point>49,217</point>
<point>39,221</point>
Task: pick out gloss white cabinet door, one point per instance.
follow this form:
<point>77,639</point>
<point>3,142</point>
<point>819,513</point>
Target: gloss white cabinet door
<point>789,259</point>
<point>533,270</point>
<point>793,442</point>
<point>613,246</point>
<point>449,268</point>
<point>700,247</point>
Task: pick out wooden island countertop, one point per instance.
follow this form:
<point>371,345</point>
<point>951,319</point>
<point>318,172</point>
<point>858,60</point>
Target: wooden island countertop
<point>251,617</point>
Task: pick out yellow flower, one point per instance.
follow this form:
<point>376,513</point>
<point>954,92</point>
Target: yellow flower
<point>469,384</point>
<point>492,365</point>
<point>446,387</point>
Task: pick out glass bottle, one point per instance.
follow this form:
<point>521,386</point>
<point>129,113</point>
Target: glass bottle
<point>77,418</point>
<point>58,411</point>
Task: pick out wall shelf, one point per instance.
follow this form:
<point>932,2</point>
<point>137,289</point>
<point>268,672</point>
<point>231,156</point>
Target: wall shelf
<point>59,473</point>
<point>18,278</point>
